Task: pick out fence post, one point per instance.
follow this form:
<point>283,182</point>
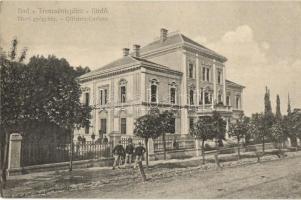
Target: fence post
<point>151,151</point>
<point>14,152</point>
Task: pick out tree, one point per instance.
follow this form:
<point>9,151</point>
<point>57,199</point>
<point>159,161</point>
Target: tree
<point>268,117</point>
<point>278,112</point>
<point>81,70</point>
<point>278,135</point>
<point>147,127</point>
<point>45,91</point>
<point>239,130</point>
<point>219,128</point>
<point>203,130</point>
<point>257,128</point>
<point>166,120</point>
<point>11,86</point>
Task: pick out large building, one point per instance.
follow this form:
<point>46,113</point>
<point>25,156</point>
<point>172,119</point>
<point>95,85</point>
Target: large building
<point>172,72</point>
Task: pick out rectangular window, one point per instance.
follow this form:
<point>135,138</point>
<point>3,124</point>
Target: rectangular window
<point>208,74</point>
<point>219,77</point>
<point>228,101</point>
<point>103,126</point>
<point>87,98</point>
<point>101,97</point>
<point>191,94</point>
<point>123,125</point>
<point>201,98</point>
<point>219,98</point>
<point>237,102</point>
<point>106,96</point>
<point>191,123</point>
<point>122,94</point>
<point>172,95</point>
<point>204,74</point>
<point>173,125</point>
<point>207,99</point>
<point>190,70</point>
<point>87,129</point>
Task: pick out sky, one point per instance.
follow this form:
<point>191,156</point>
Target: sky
<point>260,39</point>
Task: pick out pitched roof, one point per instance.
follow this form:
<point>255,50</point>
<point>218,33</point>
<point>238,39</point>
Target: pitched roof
<point>126,61</point>
<point>176,39</point>
<point>234,84</point>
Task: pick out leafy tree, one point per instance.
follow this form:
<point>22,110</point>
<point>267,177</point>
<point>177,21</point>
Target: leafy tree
<point>42,92</point>
<point>257,128</point>
<point>219,128</point>
<point>81,70</point>
<point>277,134</point>
<point>147,127</point>
<point>166,126</point>
<point>239,130</point>
<point>203,130</point>
<point>289,124</point>
<point>268,117</point>
<point>11,86</point>
<point>278,112</point>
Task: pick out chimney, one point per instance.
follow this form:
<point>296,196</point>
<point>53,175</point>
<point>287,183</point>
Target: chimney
<point>126,51</point>
<point>136,49</point>
<point>163,34</point>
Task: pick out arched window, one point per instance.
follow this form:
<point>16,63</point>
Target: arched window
<point>154,91</point>
<point>172,93</point>
<point>123,91</point>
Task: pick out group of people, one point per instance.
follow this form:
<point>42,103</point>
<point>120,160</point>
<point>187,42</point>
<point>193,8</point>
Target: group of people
<point>126,155</point>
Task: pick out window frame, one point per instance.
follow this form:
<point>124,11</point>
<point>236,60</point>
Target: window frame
<point>123,126</point>
<point>191,70</point>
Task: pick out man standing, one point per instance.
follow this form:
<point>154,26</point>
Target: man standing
<point>129,150</point>
<point>118,152</point>
<point>139,151</point>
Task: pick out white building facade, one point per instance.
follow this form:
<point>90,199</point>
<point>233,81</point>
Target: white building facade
<point>171,73</point>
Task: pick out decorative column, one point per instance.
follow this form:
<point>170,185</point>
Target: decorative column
<point>212,100</point>
<point>224,84</point>
<point>214,81</point>
<point>184,110</point>
<point>203,91</point>
<point>197,80</point>
<point>142,86</point>
<point>14,153</point>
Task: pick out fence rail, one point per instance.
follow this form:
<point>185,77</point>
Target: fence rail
<point>173,143</point>
<point>46,153</point>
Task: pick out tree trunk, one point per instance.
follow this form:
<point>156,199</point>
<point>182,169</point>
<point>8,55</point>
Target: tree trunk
<point>164,145</point>
<point>238,148</point>
<point>203,151</point>
<point>71,150</point>
<point>146,148</point>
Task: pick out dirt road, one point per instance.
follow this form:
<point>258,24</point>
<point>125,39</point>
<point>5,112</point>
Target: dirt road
<point>274,179</point>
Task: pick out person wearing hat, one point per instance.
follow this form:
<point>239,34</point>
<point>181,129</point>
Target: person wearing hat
<point>139,152</point>
<point>118,152</point>
<point>129,150</point>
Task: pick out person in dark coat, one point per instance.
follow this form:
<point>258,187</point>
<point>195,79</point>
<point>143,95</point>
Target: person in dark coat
<point>118,152</point>
<point>129,150</point>
<point>139,152</point>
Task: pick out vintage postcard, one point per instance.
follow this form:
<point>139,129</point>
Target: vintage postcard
<point>150,99</point>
